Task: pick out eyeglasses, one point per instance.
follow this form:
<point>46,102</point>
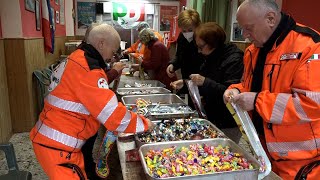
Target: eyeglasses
<point>202,46</point>
<point>116,56</point>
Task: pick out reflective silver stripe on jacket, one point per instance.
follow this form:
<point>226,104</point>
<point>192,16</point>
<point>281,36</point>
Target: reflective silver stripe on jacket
<point>59,136</point>
<point>108,109</point>
<point>297,105</point>
<point>280,147</point>
<point>140,125</point>
<point>279,107</point>
<point>124,122</point>
<point>314,96</point>
<point>66,105</point>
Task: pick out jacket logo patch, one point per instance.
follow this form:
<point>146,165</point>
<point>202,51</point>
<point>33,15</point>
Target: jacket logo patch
<point>290,56</point>
<point>102,83</point>
<point>282,154</point>
<point>315,57</point>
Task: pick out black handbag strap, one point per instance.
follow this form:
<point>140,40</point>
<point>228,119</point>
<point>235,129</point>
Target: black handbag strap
<point>75,168</point>
<point>305,170</point>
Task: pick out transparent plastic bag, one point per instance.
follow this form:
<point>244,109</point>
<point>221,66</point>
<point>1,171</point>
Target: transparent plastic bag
<point>195,97</point>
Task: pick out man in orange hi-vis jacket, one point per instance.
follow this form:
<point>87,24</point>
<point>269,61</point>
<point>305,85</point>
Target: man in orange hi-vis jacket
<point>78,102</point>
<point>281,86</point>
<point>138,50</point>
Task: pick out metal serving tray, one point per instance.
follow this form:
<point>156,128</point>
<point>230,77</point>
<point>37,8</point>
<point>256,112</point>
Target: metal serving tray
<point>168,115</point>
<point>154,99</point>
<point>153,83</point>
<point>140,91</point>
<point>239,175</point>
<point>139,143</point>
<point>160,116</point>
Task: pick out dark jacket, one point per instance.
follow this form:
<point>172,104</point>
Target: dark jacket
<point>187,57</point>
<point>111,73</point>
<point>223,67</point>
<point>158,62</point>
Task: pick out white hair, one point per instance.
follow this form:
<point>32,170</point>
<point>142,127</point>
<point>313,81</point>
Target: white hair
<point>103,32</point>
<point>89,29</point>
<point>142,25</point>
<point>146,35</point>
<point>266,5</point>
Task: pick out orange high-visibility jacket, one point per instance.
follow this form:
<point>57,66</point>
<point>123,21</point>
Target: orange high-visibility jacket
<point>139,50</point>
<point>289,101</point>
<point>81,101</point>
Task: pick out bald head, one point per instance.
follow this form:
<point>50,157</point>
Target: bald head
<point>260,6</point>
<point>105,39</point>
<point>89,29</point>
<point>103,32</point>
<point>259,19</point>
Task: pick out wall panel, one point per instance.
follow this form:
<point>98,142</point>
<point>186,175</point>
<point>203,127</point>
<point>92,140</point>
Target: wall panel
<point>5,118</point>
<point>23,56</point>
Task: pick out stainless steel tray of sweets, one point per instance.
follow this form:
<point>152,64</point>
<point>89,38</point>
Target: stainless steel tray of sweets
<point>140,91</point>
<point>153,99</point>
<point>179,130</point>
<point>139,83</point>
<point>200,161</point>
<point>167,111</point>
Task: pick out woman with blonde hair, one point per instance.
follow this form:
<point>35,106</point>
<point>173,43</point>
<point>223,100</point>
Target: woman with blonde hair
<point>187,52</point>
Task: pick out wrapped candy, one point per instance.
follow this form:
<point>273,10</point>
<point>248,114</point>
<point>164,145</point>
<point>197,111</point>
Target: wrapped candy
<point>174,130</point>
<point>172,162</point>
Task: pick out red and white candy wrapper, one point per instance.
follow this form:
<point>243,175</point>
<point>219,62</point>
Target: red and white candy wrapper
<point>195,97</point>
<point>132,155</point>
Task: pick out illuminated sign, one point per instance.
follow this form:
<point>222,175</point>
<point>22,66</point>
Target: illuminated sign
<point>128,15</point>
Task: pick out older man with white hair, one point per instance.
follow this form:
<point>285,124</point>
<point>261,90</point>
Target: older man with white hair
<point>281,86</point>
<point>79,101</point>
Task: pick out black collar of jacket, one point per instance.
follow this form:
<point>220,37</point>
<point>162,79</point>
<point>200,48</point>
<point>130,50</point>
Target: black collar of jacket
<point>94,59</point>
<point>286,24</point>
<point>216,54</point>
<point>184,40</point>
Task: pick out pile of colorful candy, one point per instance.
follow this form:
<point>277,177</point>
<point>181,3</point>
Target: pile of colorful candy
<point>132,108</point>
<point>137,84</point>
<point>163,109</point>
<point>143,91</point>
<point>184,129</point>
<point>141,103</point>
<point>193,160</point>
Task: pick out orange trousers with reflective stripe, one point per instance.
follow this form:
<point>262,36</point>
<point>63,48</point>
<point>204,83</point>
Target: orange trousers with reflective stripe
<point>50,159</point>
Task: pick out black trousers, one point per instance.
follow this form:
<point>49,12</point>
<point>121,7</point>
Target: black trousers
<point>89,164</point>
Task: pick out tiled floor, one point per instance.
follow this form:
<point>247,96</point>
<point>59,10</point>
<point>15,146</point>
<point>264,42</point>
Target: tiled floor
<point>25,157</point>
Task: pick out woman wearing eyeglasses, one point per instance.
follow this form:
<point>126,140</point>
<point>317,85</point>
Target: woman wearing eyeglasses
<point>223,65</point>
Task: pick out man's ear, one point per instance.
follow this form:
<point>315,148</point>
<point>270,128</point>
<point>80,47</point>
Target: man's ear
<point>271,18</point>
<point>100,45</point>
